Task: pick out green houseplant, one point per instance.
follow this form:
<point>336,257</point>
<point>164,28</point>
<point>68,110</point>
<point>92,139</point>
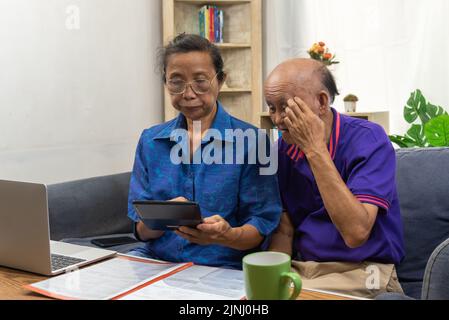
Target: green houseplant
<point>350,102</point>
<point>429,124</point>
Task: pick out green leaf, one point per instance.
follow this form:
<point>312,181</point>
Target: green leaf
<point>398,141</point>
<point>435,111</point>
<point>437,131</point>
<point>434,127</point>
<point>402,142</point>
<point>414,108</point>
<point>416,134</point>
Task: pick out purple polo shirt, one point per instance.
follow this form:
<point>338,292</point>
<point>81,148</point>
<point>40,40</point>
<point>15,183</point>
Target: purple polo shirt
<point>366,161</point>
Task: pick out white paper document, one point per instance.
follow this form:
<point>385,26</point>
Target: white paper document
<point>105,280</point>
<point>195,283</point>
<point>126,277</point>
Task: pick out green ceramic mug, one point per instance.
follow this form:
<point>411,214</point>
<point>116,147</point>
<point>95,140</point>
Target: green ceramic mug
<point>268,277</point>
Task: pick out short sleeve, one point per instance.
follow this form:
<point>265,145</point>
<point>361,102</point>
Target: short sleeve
<point>139,184</point>
<point>372,169</point>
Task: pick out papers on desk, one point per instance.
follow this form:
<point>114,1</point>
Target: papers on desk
<point>195,283</point>
<point>130,278</point>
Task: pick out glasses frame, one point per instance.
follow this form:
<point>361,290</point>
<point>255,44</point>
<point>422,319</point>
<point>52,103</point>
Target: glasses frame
<point>186,84</point>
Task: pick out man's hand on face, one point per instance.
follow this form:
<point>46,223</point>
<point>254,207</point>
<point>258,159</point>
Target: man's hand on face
<point>306,129</point>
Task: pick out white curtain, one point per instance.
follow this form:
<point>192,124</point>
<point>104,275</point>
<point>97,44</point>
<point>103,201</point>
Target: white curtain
<point>386,48</point>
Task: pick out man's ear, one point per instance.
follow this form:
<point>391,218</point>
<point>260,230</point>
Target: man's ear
<point>324,100</point>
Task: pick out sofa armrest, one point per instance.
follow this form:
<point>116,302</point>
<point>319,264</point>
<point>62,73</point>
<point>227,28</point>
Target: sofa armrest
<point>436,276</point>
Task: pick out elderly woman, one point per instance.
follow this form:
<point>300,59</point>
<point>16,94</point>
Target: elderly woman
<point>240,207</point>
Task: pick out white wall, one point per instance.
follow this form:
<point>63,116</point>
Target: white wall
<point>387,48</point>
<point>73,102</point>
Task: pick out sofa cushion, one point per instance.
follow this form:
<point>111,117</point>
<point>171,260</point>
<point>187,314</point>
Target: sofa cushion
<point>423,184</point>
<point>124,248</point>
<point>89,207</point>
<point>393,296</point>
<point>412,288</point>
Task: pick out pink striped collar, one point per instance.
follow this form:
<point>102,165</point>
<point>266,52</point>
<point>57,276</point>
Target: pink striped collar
<point>295,153</point>
<point>335,135</point>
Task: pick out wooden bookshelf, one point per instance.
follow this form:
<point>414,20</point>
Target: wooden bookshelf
<point>382,118</point>
<point>241,51</point>
<point>224,46</point>
<point>265,121</point>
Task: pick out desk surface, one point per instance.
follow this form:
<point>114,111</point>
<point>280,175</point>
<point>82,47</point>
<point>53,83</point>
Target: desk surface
<point>12,282</point>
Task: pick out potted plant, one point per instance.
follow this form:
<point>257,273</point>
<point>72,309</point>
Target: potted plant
<point>350,102</point>
<point>429,124</point>
<point>319,51</point>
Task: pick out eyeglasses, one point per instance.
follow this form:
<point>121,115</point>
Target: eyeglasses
<point>199,86</point>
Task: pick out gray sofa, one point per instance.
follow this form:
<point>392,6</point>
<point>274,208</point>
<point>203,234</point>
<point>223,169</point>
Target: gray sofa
<point>91,208</point>
<point>95,207</point>
<point>423,187</point>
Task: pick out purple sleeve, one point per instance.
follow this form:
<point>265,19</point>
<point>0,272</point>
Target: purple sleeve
<point>372,170</point>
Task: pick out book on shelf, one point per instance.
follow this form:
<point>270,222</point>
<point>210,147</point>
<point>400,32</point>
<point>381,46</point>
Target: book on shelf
<point>211,21</point>
<point>202,22</point>
<point>131,278</point>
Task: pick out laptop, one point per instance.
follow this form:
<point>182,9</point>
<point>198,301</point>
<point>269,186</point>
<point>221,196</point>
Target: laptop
<point>25,233</point>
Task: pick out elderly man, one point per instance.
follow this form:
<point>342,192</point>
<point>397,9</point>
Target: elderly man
<point>337,180</point>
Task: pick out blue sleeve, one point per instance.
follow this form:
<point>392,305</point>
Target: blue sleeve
<point>259,199</point>
<point>139,184</point>
<point>372,170</point>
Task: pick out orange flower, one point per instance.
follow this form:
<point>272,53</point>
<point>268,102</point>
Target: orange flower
<point>314,47</point>
<point>320,52</point>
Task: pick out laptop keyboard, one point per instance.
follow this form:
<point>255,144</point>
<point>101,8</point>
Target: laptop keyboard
<point>60,262</point>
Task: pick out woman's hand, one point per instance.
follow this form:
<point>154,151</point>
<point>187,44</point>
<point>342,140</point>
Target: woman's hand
<point>179,199</point>
<point>213,230</point>
<point>146,234</point>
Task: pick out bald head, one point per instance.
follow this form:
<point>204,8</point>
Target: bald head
<point>296,70</point>
<point>309,75</point>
